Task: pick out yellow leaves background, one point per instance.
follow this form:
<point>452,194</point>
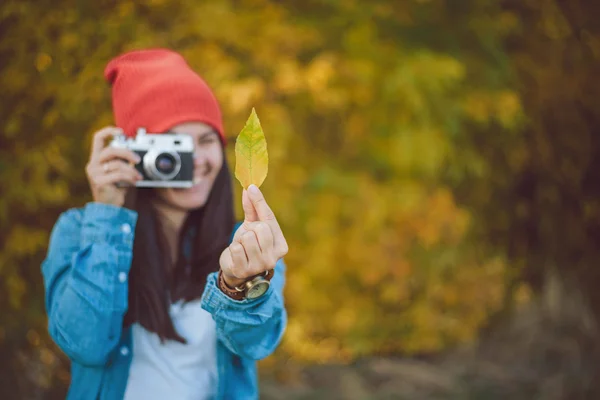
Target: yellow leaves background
<point>357,143</point>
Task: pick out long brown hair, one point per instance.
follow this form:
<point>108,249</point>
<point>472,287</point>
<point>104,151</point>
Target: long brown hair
<point>153,285</point>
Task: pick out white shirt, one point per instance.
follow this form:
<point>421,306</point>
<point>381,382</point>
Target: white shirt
<point>174,370</point>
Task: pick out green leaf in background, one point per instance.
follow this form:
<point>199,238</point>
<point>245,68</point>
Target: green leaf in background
<point>251,157</point>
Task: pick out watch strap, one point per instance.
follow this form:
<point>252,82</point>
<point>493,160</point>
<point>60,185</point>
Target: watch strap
<point>239,292</point>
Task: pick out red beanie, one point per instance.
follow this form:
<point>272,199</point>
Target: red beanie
<point>156,89</point>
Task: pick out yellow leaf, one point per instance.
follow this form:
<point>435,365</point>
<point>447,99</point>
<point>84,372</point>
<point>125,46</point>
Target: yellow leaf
<point>251,157</point>
<point>42,62</point>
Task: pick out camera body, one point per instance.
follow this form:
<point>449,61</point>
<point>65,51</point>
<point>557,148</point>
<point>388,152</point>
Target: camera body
<point>167,159</point>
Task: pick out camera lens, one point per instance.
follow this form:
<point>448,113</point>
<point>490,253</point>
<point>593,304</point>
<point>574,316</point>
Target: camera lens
<point>161,165</point>
<point>165,163</point>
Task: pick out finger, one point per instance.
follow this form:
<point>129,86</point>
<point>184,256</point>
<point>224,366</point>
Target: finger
<point>111,153</point>
<point>256,265</point>
<point>109,167</point>
<point>265,214</point>
<point>245,227</point>
<point>263,211</point>
<point>117,176</point>
<point>100,138</point>
<point>264,235</point>
<point>113,165</point>
<point>240,261</point>
<point>250,214</point>
<point>226,261</point>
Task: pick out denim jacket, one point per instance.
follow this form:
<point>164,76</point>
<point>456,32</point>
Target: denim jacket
<point>86,281</point>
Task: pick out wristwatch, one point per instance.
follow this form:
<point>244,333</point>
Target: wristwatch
<point>253,288</point>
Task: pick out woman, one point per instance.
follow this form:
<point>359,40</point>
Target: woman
<point>141,283</point>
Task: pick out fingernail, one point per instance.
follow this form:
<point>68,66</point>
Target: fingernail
<point>137,159</point>
<point>253,189</point>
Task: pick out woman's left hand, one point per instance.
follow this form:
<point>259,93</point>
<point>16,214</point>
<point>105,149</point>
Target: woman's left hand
<point>256,245</point>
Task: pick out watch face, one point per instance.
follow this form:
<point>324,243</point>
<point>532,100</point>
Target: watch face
<point>258,290</point>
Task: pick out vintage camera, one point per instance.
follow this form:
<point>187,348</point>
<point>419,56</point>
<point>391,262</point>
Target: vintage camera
<point>167,159</point>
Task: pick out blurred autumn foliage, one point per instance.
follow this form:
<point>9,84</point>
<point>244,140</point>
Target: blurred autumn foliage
<point>431,162</point>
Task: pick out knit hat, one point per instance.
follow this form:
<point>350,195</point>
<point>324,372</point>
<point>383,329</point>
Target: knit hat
<point>156,89</point>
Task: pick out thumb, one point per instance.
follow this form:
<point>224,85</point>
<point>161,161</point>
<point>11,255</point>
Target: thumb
<point>250,214</point>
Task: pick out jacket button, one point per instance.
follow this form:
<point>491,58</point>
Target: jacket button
<point>126,229</point>
<point>124,351</point>
<point>122,277</point>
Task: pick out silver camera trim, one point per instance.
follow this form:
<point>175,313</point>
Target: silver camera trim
<point>149,164</point>
<point>143,141</point>
<point>165,184</point>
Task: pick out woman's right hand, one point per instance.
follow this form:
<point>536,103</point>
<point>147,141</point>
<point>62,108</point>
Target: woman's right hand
<point>109,165</point>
